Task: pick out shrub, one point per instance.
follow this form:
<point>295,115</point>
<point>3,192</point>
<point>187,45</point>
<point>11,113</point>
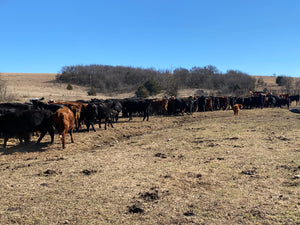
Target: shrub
<point>92,92</point>
<point>142,92</point>
<point>152,87</point>
<point>69,87</point>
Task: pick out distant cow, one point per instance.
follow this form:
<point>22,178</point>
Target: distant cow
<point>201,102</point>
<point>22,123</point>
<point>76,107</point>
<point>188,103</point>
<point>134,105</point>
<point>180,105</point>
<point>105,112</point>
<point>208,104</point>
<point>224,102</point>
<point>159,106</point>
<point>116,106</point>
<point>64,120</point>
<point>294,98</point>
<point>236,109</point>
<point>90,115</point>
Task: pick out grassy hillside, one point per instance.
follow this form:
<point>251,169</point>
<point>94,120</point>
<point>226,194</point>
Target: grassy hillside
<point>23,86</point>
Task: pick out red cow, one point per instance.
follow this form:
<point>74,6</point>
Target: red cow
<point>160,106</point>
<point>76,107</point>
<point>208,104</point>
<point>64,120</point>
<point>236,109</point>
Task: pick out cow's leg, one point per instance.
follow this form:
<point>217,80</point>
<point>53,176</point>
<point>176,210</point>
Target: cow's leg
<point>51,132</point>
<point>111,124</point>
<point>130,115</point>
<point>27,138</point>
<point>5,142</point>
<point>100,123</point>
<point>93,127</point>
<point>43,133</point>
<point>63,139</point>
<point>88,126</point>
<point>108,121</point>
<point>76,123</point>
<point>71,134</point>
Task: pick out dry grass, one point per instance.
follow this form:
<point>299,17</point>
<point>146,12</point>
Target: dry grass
<point>25,86</point>
<point>205,168</point>
<point>208,168</point>
<point>270,84</point>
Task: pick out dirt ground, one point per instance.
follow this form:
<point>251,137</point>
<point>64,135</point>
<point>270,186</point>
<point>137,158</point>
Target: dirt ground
<point>205,168</point>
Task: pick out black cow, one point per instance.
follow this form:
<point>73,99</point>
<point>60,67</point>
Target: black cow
<point>130,106</point>
<point>294,98</point>
<point>41,105</point>
<point>178,106</point>
<point>247,103</point>
<point>271,101</point>
<point>258,101</point>
<point>13,107</point>
<point>201,101</point>
<point>90,115</point>
<point>116,107</point>
<point>21,124</point>
<point>187,104</point>
<point>105,111</point>
<point>285,102</point>
<point>216,103</point>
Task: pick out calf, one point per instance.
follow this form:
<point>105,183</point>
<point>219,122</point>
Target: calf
<point>64,120</point>
<point>236,109</point>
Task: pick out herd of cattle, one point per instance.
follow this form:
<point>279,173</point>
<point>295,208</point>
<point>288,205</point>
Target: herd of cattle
<point>18,120</point>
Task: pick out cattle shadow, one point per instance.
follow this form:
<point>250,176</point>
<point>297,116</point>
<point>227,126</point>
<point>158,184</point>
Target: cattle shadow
<point>25,148</point>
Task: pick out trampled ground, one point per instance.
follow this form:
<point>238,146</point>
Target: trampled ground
<point>205,168</point>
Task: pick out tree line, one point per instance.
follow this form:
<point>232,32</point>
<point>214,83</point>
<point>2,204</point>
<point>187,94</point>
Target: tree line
<point>106,79</point>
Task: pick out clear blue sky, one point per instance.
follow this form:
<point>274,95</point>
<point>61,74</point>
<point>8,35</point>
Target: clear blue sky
<point>258,37</point>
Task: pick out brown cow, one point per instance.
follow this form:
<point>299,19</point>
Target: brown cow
<point>160,106</point>
<point>236,109</point>
<point>76,107</point>
<point>224,102</point>
<point>64,120</point>
<point>208,104</point>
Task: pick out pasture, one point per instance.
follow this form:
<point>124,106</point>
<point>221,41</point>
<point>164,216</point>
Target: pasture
<point>205,168</point>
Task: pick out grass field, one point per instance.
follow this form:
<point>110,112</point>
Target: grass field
<point>205,168</point>
<point>208,168</point>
